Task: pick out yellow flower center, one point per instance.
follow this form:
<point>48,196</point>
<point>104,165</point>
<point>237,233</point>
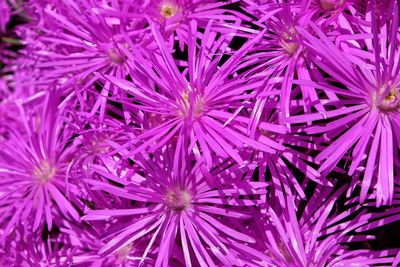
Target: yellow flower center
<point>289,41</point>
<point>168,10</point>
<point>391,102</point>
<point>196,106</point>
<point>44,172</point>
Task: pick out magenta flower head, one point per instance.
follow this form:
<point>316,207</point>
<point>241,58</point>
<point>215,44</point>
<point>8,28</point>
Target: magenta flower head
<point>34,165</point>
<point>170,208</point>
<point>363,127</point>
<point>282,57</point>
<point>97,134</point>
<point>78,39</point>
<point>205,102</point>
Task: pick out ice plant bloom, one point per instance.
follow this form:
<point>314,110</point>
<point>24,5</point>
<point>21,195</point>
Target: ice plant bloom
<point>365,125</point>
<point>95,135</point>
<point>281,54</point>
<point>71,44</point>
<point>240,133</point>
<point>318,235</point>
<point>172,208</point>
<point>34,164</point>
<point>205,103</point>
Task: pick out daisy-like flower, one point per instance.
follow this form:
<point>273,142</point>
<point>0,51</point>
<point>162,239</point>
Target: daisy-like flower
<point>364,118</point>
<point>34,165</point>
<point>69,43</point>
<point>180,211</point>
<point>203,103</point>
<point>281,54</point>
<point>317,235</point>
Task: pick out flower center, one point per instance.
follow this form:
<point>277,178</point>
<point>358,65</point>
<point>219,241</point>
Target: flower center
<point>290,48</point>
<point>289,41</point>
<point>187,105</point>
<point>123,252</point>
<point>99,146</point>
<point>178,199</point>
<point>45,172</point>
<point>115,56</point>
<point>284,253</point>
<point>391,102</point>
<point>330,4</point>
<point>168,10</point>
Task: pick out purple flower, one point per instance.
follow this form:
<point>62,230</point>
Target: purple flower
<point>182,207</point>
<point>363,111</point>
<point>205,103</point>
<point>34,164</point>
<point>173,16</point>
<point>70,43</point>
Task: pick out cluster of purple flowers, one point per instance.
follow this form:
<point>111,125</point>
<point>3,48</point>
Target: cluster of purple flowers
<point>199,133</point>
